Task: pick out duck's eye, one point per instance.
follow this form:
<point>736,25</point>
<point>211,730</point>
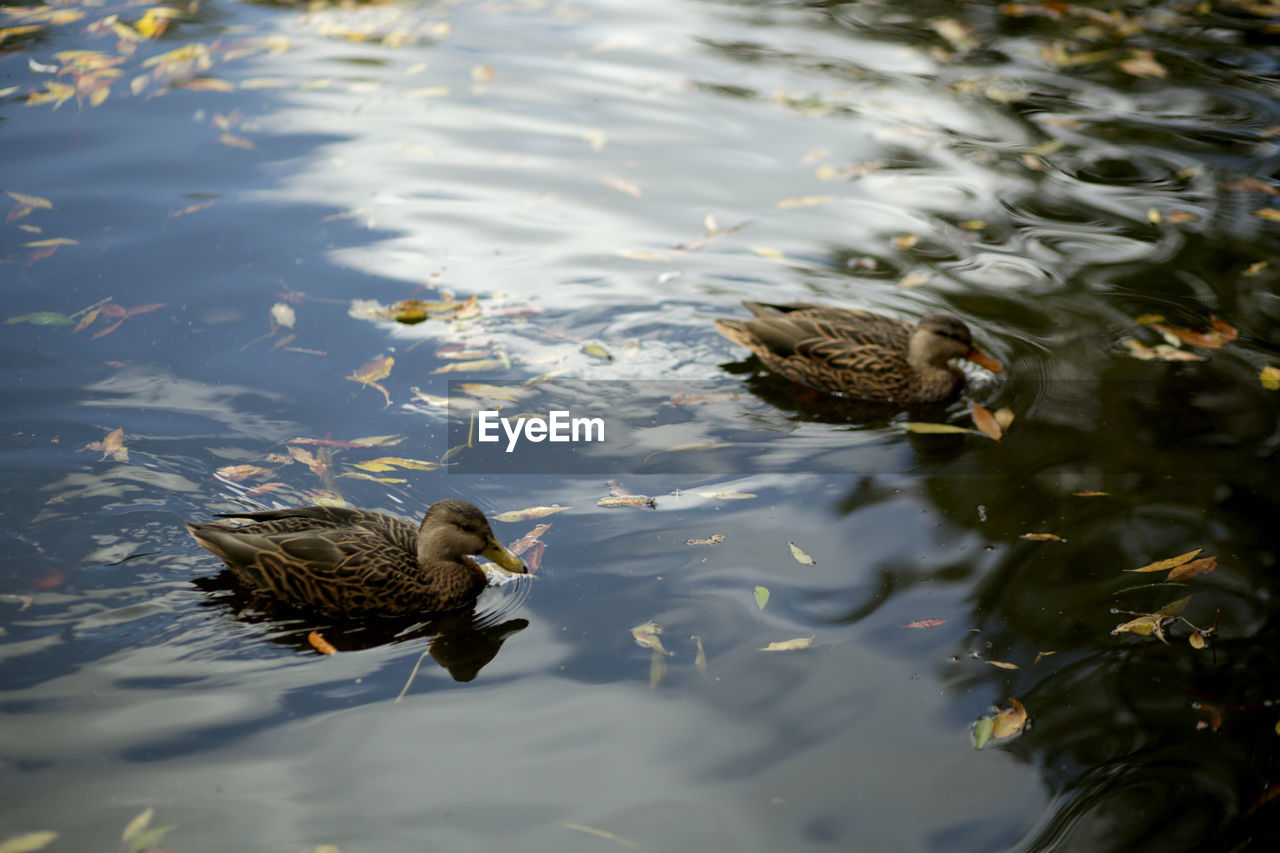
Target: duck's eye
<point>468,528</point>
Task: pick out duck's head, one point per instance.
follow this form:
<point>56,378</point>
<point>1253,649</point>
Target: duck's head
<point>453,528</point>
<point>938,338</point>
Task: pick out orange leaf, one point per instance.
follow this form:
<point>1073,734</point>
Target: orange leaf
<point>1041,537</point>
<point>320,644</point>
<point>1010,722</point>
<point>1196,567</point>
<point>985,421</point>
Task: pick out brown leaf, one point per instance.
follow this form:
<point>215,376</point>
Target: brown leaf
<point>530,513</point>
<point>646,636</point>
<point>1003,665</point>
<point>1010,722</point>
<point>924,623</point>
<point>320,644</point>
<point>985,421</point>
<point>1196,567</point>
<point>525,542</point>
<point>1163,352</point>
<point>1142,63</point>
<point>48,579</point>
<point>789,645</point>
<point>1213,338</point>
<point>639,501</point>
<point>713,540</point>
<point>1042,537</point>
<point>372,371</point>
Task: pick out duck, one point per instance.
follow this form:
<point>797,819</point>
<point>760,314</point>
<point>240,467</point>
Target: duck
<point>355,562</point>
<point>859,354</point>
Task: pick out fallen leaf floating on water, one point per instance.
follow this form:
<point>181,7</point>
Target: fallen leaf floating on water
<point>1161,352</point>
<point>140,835</point>
<point>320,644</point>
<point>135,827</point>
<point>926,428</point>
<point>985,421</point>
<point>390,463</point>
<point>112,445</point>
<point>761,594</point>
<point>367,441</point>
<point>237,473</point>
<point>478,366</point>
<point>1215,337</point>
<point>657,669</point>
<point>803,201</point>
<point>639,501</point>
<point>924,623</point>
<point>1042,537</point>
<point>1270,378</point>
<point>800,555</point>
<point>646,636</point>
<point>622,185</point>
<point>1000,725</point>
<point>716,539</point>
<point>530,513</point>
<point>1003,664</point>
<point>1190,570</point>
<point>597,351</point>
<point>727,496</point>
<point>1089,494</point>
<point>28,842</point>
<point>525,542</point>
<point>1162,565</point>
<point>599,833</point>
<point>699,656</point>
<point>1197,640</point>
<point>1152,624</point>
<point>48,579</point>
<point>1040,656</point>
<point>372,371</point>
<point>1142,63</point>
<point>789,645</point>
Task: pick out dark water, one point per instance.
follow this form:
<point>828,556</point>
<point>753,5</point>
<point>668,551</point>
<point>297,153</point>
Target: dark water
<point>603,175</point>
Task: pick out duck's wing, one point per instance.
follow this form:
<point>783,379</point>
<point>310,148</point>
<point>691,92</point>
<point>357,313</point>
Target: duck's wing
<point>814,320</point>
<point>341,569</point>
<point>398,532</point>
<point>867,371</point>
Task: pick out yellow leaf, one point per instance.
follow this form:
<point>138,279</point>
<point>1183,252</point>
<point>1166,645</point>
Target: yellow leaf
<point>1090,494</point>
<point>1003,665</point>
<point>27,842</point>
<point>97,96</point>
<point>1142,63</point>
<point>761,594</point>
<point>1270,378</point>
<point>1004,417</point>
<point>1041,537</point>
<point>597,351</point>
<point>388,463</point>
<point>477,366</point>
<point>230,139</point>
<point>914,279</point>
<point>927,428</point>
<point>1197,640</point>
<point>1010,722</point>
<point>789,645</point>
<point>801,556</point>
<point>803,201</point>
<point>52,241</point>
<point>372,371</point>
<point>32,201</point>
<point>771,254</point>
<point>427,92</point>
<point>1266,212</point>
<point>530,513</point>
<point>646,636</point>
<point>137,825</point>
<point>208,84</point>
<point>1162,565</point>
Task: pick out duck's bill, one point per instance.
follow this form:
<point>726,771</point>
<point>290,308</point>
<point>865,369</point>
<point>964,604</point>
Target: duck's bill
<point>981,359</point>
<point>494,551</point>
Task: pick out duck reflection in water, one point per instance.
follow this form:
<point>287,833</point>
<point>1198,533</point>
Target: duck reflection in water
<point>461,641</point>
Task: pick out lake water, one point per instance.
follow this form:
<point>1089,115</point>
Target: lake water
<point>213,206</point>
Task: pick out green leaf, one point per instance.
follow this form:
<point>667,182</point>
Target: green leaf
<point>147,839</point>
<point>982,730</point>
<point>762,596</point>
<point>137,825</point>
<point>1173,608</point>
<point>800,555</point>
<point>43,318</point>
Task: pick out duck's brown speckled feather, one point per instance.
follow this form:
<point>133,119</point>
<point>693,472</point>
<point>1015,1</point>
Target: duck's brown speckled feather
<point>844,351</point>
<point>339,560</point>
